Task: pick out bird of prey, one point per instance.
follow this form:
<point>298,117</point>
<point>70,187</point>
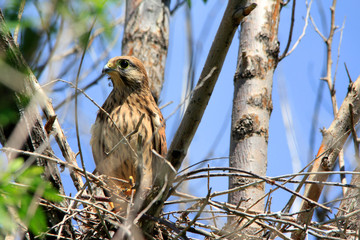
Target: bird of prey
<point>128,127</point>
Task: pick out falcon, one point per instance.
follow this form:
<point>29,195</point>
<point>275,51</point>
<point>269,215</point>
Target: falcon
<point>128,127</point>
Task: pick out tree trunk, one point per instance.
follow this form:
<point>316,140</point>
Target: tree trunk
<point>25,131</point>
<point>233,15</point>
<point>146,37</point>
<point>252,104</point>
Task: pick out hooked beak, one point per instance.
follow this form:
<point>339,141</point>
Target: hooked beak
<point>107,69</point>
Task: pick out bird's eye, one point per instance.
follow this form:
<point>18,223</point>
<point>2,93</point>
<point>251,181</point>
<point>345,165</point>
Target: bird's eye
<point>123,64</point>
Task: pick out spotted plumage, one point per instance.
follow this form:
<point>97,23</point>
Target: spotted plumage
<point>115,141</point>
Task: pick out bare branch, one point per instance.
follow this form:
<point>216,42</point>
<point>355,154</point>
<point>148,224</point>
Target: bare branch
<point>17,28</point>
<point>308,7</point>
<point>333,140</point>
<point>206,83</point>
<point>292,22</point>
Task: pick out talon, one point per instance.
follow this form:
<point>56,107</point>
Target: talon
<point>129,191</point>
<point>131,181</point>
<point>115,207</point>
<point>112,206</point>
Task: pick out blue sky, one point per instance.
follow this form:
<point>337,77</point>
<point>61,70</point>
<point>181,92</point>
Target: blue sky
<point>297,77</point>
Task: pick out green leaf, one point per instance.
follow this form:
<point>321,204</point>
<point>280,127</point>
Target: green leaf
<point>52,194</point>
<point>84,39</point>
<point>15,165</point>
<point>189,3</point>
<point>21,197</point>
<point>37,223</point>
<point>30,41</point>
<point>6,221</point>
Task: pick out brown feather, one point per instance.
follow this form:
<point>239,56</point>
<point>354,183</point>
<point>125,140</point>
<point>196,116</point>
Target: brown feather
<point>128,101</point>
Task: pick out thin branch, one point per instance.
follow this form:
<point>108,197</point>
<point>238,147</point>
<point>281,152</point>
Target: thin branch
<point>103,110</point>
<point>209,189</point>
<point>77,48</point>
<point>76,106</point>
<point>303,31</point>
<point>292,22</point>
<point>333,140</point>
<point>261,178</point>
<point>278,179</point>
<point>55,160</point>
<point>196,216</point>
<point>44,102</point>
<point>178,4</point>
<point>317,29</point>
<point>348,74</point>
<point>328,42</point>
<point>338,52</point>
<point>151,203</point>
<point>17,28</point>
<point>69,98</point>
<point>127,136</point>
<point>208,77</point>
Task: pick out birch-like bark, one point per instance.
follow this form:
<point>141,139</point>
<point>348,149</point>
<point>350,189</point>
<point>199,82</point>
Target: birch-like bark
<point>146,37</point>
<point>252,104</point>
<point>233,15</point>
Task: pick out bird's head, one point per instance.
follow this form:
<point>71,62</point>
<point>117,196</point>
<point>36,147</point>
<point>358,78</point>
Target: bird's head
<point>127,73</point>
